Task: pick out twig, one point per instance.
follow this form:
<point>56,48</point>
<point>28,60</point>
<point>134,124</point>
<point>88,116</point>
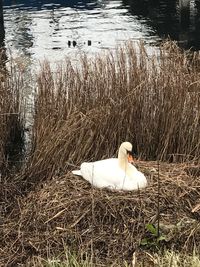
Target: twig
<point>158,200</point>
<point>92,200</point>
<point>57,214</point>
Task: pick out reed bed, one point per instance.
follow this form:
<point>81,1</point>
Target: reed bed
<point>11,132</point>
<point>66,215</point>
<point>84,112</point>
<point>11,114</point>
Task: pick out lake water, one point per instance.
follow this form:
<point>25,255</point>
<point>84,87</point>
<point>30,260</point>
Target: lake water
<point>52,29</point>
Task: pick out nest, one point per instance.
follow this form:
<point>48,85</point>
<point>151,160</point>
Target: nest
<point>67,213</point>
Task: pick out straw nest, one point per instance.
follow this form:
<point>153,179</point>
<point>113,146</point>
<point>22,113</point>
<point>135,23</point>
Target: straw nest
<point>67,213</point>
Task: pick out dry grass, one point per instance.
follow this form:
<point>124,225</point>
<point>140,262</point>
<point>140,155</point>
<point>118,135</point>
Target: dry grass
<point>166,259</point>
<point>174,259</point>
<point>85,112</point>
<point>67,214</point>
<point>11,115</point>
<point>11,132</point>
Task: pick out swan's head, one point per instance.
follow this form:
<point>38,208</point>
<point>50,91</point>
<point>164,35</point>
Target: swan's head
<point>127,146</point>
<point>126,150</point>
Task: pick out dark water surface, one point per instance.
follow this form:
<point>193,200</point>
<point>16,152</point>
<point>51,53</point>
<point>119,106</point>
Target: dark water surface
<point>52,29</point>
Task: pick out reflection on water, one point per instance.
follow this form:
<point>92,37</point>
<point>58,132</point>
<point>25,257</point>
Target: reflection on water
<point>179,20</point>
<point>39,29</point>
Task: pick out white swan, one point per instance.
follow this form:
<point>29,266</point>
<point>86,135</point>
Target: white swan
<point>114,173</point>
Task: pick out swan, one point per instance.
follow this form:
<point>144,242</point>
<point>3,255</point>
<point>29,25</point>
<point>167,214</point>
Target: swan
<point>114,173</point>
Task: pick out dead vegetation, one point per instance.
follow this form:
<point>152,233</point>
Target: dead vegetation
<point>11,134</point>
<point>11,115</point>
<point>66,214</point>
<point>83,113</point>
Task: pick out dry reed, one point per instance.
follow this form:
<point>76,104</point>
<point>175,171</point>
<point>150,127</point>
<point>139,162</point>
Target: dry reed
<point>11,115</point>
<point>11,132</point>
<point>84,112</point>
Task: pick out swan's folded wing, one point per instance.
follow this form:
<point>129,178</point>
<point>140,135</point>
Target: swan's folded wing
<point>100,173</point>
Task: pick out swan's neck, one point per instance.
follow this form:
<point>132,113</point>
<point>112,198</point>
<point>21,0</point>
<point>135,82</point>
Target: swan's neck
<point>122,160</point>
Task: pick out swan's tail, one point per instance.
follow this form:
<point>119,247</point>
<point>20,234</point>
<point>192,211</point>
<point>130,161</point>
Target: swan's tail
<point>77,172</point>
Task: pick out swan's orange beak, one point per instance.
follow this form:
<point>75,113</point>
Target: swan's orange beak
<point>130,158</point>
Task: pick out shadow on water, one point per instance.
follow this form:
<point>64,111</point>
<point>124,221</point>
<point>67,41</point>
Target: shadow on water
<point>2,30</point>
<point>179,20</point>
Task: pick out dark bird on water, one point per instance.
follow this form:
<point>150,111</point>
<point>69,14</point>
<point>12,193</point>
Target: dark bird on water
<point>74,43</point>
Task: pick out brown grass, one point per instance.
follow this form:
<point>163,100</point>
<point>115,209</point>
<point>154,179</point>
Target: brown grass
<point>84,112</point>
<point>66,214</point>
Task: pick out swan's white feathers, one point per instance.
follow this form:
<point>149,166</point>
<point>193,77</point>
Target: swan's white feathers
<point>109,173</point>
